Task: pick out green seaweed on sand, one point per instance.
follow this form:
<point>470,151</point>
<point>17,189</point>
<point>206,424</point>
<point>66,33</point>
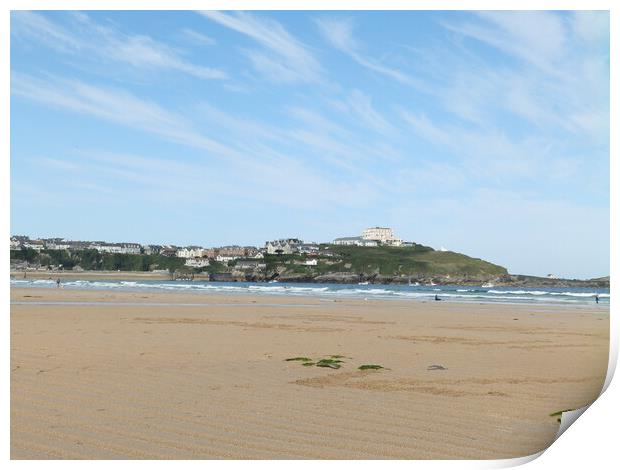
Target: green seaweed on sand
<point>337,356</point>
<point>300,359</point>
<point>370,367</point>
<point>331,363</point>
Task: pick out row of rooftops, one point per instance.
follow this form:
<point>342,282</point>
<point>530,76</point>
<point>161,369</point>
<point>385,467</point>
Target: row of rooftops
<point>280,246</point>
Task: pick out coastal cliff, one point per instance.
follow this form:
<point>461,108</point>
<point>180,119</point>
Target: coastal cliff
<point>332,264</point>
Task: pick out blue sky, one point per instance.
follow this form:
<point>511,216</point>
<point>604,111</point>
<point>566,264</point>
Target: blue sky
<point>486,133</point>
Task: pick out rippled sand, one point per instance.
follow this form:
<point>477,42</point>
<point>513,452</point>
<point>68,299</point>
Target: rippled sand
<point>117,376</point>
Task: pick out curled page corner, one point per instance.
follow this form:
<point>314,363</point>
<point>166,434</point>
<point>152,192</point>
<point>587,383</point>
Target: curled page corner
<point>568,418</point>
<point>515,461</point>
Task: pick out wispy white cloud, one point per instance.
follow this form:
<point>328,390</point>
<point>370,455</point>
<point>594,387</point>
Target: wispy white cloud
<point>423,126</point>
<point>338,141</point>
<point>559,80</point>
<point>118,106</point>
<point>537,37</point>
<point>361,109</point>
<point>143,51</point>
<point>104,42</point>
<point>242,152</point>
<point>198,38</point>
<point>339,33</point>
<point>31,25</point>
<point>283,58</point>
<point>591,26</point>
<point>488,154</point>
<point>57,163</point>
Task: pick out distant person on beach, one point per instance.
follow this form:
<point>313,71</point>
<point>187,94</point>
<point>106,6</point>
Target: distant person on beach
<point>596,298</point>
<point>58,282</point>
<point>437,297</point>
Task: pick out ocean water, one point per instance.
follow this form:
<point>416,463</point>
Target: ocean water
<point>549,295</point>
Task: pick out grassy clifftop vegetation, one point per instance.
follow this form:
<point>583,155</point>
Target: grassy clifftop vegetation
<point>385,260</point>
<point>412,260</point>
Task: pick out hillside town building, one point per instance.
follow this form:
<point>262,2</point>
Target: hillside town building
<point>355,241</point>
<point>197,262</point>
<point>285,246</point>
<point>249,264</point>
<point>384,235</point>
<point>190,252</point>
<point>121,248</point>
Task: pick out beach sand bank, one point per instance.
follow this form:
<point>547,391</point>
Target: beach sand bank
<point>95,275</point>
<point>137,375</point>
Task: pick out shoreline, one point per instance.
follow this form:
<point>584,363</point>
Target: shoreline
<point>511,280</point>
<point>27,295</point>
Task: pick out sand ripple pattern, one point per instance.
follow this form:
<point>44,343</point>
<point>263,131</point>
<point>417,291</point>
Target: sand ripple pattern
<point>210,382</point>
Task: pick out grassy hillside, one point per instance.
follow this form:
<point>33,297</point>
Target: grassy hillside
<point>389,261</point>
<point>412,260</point>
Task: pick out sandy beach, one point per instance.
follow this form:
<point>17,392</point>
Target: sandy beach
<point>95,275</point>
<point>139,375</point>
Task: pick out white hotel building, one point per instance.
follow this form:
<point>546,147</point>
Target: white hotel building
<point>385,235</point>
<point>372,237</point>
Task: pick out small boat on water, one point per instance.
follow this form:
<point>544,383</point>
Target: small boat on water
<point>488,284</point>
<point>365,283</point>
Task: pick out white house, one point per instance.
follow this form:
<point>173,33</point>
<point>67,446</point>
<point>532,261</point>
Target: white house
<point>197,262</point>
<point>249,264</point>
<point>122,248</point>
<point>57,246</point>
<point>34,244</point>
<point>309,248</point>
<point>190,252</point>
<point>284,246</point>
<point>225,258</point>
<point>355,241</point>
<point>311,262</point>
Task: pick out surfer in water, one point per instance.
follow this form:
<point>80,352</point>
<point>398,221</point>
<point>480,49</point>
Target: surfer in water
<point>596,298</point>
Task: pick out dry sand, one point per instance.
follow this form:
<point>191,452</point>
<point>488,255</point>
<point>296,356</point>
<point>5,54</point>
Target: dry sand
<point>103,379</point>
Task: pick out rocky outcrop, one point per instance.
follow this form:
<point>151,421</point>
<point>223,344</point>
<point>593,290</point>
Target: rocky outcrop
<point>340,278</point>
<point>515,280</point>
<point>506,280</point>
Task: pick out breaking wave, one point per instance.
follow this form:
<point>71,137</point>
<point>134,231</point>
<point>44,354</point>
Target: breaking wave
<point>330,291</point>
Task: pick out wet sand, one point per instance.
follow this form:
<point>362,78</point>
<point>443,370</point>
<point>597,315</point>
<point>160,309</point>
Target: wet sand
<point>108,374</point>
<point>95,275</point>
